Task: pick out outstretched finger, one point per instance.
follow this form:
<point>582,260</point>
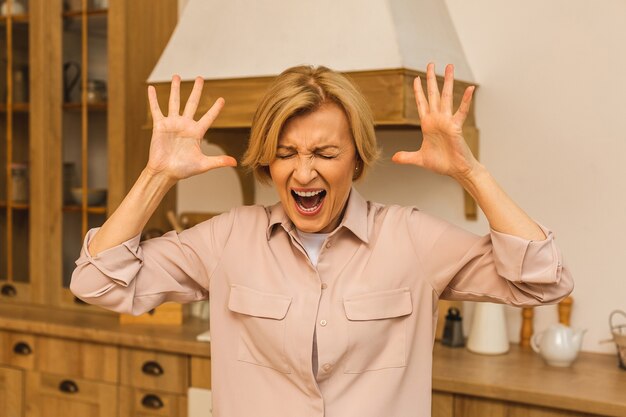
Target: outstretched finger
<point>466,101</point>
<point>420,98</point>
<point>448,90</point>
<point>155,110</point>
<point>433,89</point>
<point>174,104</point>
<point>194,98</point>
<point>207,119</point>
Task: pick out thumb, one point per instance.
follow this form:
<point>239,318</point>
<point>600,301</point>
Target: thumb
<point>413,158</point>
<point>213,162</point>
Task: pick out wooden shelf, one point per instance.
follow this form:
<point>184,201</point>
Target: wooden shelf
<point>76,14</point>
<point>90,209</point>
<point>17,18</point>
<point>17,107</point>
<point>77,106</point>
<point>15,206</point>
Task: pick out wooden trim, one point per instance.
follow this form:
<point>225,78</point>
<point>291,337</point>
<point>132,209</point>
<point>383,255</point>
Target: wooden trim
<point>45,149</point>
<point>84,116</point>
<point>9,29</point>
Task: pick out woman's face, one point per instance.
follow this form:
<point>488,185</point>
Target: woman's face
<point>313,168</point>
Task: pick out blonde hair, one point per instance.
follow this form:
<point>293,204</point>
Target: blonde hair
<point>300,90</point>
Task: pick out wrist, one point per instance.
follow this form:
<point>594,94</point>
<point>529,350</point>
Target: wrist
<point>472,179</point>
<point>159,180</point>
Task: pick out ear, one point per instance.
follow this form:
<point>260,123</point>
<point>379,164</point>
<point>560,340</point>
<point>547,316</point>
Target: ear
<point>358,168</point>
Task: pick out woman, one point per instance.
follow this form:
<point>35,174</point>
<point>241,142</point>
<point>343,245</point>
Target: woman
<point>323,304</point>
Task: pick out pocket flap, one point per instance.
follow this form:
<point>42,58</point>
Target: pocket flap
<point>251,302</point>
<point>379,305</point>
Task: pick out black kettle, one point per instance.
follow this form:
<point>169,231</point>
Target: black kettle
<point>453,329</point>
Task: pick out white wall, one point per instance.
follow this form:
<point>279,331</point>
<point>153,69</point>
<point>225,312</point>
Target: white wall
<point>550,107</point>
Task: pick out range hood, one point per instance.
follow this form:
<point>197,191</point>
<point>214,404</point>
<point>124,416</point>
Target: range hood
<point>238,46</point>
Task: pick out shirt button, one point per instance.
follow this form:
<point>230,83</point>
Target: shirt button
<point>324,286</point>
<point>328,244</point>
<point>323,323</point>
<point>326,367</point>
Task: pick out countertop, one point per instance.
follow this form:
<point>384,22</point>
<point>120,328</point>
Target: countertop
<point>593,384</point>
<point>105,328</point>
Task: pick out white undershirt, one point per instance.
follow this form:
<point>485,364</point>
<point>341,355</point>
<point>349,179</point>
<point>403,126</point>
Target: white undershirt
<point>313,243</point>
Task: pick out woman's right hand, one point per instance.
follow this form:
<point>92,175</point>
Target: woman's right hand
<point>175,145</point>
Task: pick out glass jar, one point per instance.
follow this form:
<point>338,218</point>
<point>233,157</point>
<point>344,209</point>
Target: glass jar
<point>19,182</point>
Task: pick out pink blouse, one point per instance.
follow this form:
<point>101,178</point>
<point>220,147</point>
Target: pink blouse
<point>371,301</point>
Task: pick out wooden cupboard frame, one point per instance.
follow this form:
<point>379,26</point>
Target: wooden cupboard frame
<point>138,25</point>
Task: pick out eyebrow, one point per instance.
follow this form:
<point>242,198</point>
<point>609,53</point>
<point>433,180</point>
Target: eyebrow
<point>318,148</point>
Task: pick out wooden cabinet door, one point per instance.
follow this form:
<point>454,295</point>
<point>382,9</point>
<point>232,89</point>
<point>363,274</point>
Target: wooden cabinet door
<point>57,396</point>
<point>135,402</point>
<point>11,395</point>
<point>442,404</point>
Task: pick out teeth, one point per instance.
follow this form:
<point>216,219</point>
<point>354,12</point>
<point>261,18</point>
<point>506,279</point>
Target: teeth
<point>307,193</point>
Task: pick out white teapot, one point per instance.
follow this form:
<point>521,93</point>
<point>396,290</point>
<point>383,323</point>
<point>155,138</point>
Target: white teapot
<point>558,345</point>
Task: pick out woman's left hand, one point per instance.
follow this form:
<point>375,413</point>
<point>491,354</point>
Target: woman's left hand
<point>443,150</point>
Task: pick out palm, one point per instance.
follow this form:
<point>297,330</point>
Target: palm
<point>443,149</point>
<point>175,147</point>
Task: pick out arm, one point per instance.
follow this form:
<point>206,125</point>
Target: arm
<point>498,267</point>
<point>445,152</point>
<point>114,270</point>
<point>175,154</point>
<point>518,262</point>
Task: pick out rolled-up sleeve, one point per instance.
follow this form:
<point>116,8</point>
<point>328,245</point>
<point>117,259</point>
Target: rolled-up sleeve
<point>134,277</point>
<point>497,267</point>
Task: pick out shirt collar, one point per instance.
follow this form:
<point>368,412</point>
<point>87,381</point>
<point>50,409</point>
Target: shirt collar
<point>354,219</point>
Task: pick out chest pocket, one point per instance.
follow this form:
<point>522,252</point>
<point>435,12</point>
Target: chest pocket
<point>377,329</point>
<point>263,326</point>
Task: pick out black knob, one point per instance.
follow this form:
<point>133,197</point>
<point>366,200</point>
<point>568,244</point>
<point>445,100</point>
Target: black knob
<point>8,290</point>
<point>22,348</point>
<point>152,368</point>
<point>68,386</point>
<point>152,401</point>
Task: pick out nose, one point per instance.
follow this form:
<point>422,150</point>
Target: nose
<point>304,171</point>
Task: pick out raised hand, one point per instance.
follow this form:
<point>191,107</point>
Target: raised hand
<point>443,150</point>
<point>175,146</point>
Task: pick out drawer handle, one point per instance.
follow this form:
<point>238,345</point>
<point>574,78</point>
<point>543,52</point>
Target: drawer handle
<point>152,401</point>
<point>22,348</point>
<point>152,368</point>
<point>8,290</point>
<point>68,386</point>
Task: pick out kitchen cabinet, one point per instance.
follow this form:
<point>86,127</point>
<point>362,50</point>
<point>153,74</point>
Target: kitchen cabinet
<point>68,364</point>
<point>16,32</point>
<point>72,114</point>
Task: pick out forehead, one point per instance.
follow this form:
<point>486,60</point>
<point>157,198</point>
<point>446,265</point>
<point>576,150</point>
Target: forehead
<point>327,125</point>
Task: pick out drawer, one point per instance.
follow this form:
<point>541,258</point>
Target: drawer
<point>136,402</point>
<point>55,395</point>
<point>72,358</point>
<point>17,350</point>
<point>165,372</point>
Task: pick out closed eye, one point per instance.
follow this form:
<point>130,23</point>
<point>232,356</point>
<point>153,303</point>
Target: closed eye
<point>284,155</point>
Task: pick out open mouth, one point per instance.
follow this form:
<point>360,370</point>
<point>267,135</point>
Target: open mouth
<point>309,202</point>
